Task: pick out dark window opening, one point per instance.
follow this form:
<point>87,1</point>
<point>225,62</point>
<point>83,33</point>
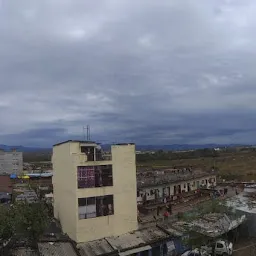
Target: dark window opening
<point>103,175</point>
<point>89,151</point>
<point>179,189</point>
<point>219,245</point>
<point>92,153</point>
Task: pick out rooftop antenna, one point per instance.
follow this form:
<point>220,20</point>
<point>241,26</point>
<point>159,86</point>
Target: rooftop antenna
<point>88,132</point>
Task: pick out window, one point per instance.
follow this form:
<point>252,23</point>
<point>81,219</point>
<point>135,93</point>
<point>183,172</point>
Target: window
<point>85,177</point>
<point>104,205</point>
<point>86,208</point>
<point>92,207</point>
<point>184,185</point>
<point>94,176</point>
<point>219,245</point>
<point>103,175</point>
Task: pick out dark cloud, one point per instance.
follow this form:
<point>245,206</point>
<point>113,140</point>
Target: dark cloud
<point>147,71</point>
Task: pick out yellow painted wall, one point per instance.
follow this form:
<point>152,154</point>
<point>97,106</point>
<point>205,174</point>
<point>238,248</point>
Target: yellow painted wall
<point>66,158</point>
<point>124,191</point>
<point>64,184</point>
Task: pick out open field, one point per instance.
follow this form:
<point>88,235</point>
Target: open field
<point>232,163</point>
<point>235,165</point>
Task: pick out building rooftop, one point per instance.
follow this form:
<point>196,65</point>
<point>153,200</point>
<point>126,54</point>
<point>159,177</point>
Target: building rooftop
<point>137,238</point>
<point>96,248</point>
<point>244,202</point>
<point>29,196</point>
<point>56,249</point>
<point>75,141</point>
<point>211,225</point>
<point>174,229</point>
<point>216,224</point>
<point>24,251</point>
<point>153,178</point>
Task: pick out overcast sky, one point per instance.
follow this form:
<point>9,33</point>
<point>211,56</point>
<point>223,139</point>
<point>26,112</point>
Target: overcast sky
<point>147,71</point>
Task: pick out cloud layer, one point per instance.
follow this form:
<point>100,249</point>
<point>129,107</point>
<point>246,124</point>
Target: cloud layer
<point>147,71</point>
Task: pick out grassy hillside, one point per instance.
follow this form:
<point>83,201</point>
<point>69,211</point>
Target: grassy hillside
<point>231,165</point>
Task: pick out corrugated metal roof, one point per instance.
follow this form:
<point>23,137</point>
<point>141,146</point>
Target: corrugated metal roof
<point>56,249</point>
<point>175,229</point>
<point>137,238</point>
<point>95,248</point>
<point>23,252</point>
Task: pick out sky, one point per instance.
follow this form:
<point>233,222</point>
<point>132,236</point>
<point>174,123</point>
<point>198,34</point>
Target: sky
<point>149,72</point>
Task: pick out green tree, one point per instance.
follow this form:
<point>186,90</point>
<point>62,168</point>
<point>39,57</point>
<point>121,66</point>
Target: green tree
<point>22,219</point>
<point>6,223</point>
<point>30,219</point>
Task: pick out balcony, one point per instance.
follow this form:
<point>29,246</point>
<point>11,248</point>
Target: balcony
<point>93,154</point>
<point>98,157</point>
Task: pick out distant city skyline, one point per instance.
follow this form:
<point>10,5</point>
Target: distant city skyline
<point>150,72</point>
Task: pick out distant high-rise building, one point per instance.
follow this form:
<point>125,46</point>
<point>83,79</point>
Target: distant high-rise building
<point>94,194</point>
<point>11,162</point>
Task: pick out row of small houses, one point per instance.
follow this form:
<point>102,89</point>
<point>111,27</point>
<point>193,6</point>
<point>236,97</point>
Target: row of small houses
<point>172,190</point>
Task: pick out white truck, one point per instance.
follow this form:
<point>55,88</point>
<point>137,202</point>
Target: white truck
<point>217,248</point>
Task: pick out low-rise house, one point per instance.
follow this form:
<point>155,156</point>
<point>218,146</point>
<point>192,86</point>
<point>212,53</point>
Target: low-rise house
<point>170,185</point>
<point>28,196</point>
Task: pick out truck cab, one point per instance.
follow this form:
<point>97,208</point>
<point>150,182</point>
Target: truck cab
<point>219,248</point>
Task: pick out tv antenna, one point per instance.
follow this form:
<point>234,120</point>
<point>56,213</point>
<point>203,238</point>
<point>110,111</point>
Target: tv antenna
<point>87,136</point>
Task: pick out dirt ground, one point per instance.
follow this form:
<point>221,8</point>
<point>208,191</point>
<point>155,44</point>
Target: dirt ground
<point>247,247</point>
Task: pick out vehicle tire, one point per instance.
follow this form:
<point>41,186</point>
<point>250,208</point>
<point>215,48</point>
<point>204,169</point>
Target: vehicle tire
<point>224,254</point>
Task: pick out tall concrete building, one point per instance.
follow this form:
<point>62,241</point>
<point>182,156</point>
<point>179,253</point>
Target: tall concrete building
<point>94,195</point>
<point>11,162</point>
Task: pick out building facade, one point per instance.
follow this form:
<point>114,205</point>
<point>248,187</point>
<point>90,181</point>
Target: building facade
<point>94,195</point>
<point>173,186</point>
<point>11,162</point>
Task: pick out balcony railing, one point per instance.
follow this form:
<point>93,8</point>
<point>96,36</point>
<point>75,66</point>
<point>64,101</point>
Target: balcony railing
<point>99,157</point>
